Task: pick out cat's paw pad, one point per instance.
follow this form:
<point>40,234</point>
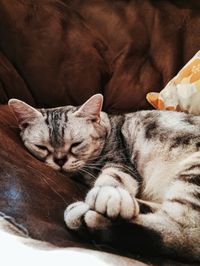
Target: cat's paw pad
<point>79,212</point>
<point>112,202</point>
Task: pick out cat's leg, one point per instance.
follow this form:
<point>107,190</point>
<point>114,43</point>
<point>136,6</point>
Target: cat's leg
<point>114,193</point>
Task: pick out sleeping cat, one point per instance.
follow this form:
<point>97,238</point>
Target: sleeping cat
<point>146,158</point>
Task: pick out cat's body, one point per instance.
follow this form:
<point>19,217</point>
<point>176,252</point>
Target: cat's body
<point>147,157</point>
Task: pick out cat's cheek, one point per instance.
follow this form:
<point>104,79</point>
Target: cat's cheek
<point>96,149</point>
<point>41,155</point>
<point>73,164</point>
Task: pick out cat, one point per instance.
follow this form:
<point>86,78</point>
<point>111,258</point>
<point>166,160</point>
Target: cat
<point>147,159</point>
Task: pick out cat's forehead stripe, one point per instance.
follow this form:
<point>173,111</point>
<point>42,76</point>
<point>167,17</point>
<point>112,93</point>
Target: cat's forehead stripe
<point>56,120</point>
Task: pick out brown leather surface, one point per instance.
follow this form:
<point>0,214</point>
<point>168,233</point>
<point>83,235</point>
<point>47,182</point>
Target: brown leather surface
<point>65,51</point>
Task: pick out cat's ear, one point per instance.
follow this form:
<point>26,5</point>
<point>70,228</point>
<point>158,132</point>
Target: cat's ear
<point>91,108</point>
<point>23,112</point>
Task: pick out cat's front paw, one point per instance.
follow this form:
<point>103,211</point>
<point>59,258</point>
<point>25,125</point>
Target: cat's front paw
<point>112,202</point>
<point>78,214</point>
<point>74,213</point>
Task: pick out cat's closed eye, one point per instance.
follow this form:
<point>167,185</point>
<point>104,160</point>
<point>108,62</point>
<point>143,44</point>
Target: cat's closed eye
<point>75,144</point>
<point>42,147</point>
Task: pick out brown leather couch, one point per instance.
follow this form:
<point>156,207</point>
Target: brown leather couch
<point>59,52</point>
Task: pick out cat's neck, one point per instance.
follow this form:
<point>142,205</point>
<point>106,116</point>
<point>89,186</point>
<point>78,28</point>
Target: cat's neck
<point>114,150</point>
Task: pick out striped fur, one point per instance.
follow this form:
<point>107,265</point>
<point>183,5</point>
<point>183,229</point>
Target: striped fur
<point>145,160</point>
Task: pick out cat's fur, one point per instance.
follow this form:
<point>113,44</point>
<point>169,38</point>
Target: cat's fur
<point>149,158</point>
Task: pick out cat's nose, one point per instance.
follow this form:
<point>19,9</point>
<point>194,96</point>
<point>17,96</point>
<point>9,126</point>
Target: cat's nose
<point>60,161</point>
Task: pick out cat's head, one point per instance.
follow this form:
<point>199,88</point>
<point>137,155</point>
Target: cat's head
<point>65,138</point>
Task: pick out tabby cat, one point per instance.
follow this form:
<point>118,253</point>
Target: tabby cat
<point>144,169</point>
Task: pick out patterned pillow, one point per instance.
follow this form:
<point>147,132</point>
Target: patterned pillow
<point>182,93</point>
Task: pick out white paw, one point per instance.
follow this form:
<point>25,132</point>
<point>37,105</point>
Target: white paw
<point>74,213</point>
<point>80,211</point>
<point>113,202</point>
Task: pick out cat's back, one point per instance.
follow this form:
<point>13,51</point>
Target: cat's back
<point>164,133</point>
<point>155,124</point>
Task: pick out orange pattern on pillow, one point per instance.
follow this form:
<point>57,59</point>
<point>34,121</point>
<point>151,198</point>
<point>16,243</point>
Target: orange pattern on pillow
<point>182,93</point>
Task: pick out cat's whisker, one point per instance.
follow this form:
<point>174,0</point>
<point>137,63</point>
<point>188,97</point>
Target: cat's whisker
<point>87,172</point>
<point>95,162</point>
<point>93,167</point>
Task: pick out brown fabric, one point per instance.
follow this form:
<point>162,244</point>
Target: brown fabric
<point>66,51</point>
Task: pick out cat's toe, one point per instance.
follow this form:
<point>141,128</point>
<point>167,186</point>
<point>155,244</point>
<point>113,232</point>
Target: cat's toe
<point>105,200</point>
<point>92,196</point>
<point>129,206</point>
<point>95,220</point>
<point>74,213</point>
<point>112,202</point>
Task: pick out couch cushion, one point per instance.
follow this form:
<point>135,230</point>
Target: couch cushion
<point>66,51</point>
